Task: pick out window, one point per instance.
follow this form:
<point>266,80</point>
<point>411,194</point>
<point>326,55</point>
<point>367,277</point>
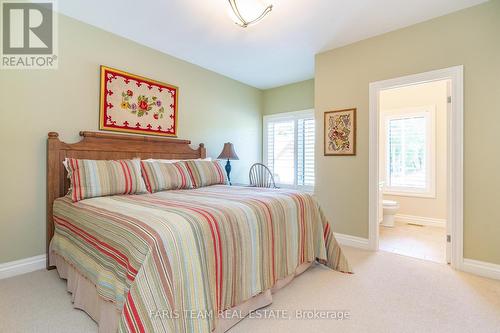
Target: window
<point>410,152</point>
<point>289,148</point>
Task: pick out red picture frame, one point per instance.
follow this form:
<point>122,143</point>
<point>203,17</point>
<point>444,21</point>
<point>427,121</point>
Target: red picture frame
<point>135,104</point>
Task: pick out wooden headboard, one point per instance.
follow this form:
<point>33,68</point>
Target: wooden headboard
<point>103,146</point>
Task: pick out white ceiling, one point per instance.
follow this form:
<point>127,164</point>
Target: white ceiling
<point>278,50</point>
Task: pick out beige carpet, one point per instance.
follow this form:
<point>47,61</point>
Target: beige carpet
<point>388,293</point>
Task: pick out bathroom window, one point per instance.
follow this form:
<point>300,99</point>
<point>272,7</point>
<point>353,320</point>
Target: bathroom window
<point>289,148</point>
<point>410,152</point>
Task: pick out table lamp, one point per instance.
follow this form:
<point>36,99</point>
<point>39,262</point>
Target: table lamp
<point>228,153</point>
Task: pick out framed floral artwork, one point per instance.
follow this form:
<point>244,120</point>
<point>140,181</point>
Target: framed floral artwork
<point>340,133</point>
<point>135,104</point>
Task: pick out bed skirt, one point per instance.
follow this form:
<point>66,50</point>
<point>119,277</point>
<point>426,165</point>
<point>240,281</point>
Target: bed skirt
<point>84,296</point>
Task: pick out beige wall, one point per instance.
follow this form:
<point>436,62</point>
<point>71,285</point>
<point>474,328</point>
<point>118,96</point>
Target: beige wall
<point>422,95</point>
<point>292,97</point>
<point>212,109</point>
<point>470,38</point>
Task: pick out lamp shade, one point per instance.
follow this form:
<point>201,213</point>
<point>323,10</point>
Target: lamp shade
<point>228,152</point>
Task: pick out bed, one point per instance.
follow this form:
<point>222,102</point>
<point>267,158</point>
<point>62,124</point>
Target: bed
<point>195,260</point>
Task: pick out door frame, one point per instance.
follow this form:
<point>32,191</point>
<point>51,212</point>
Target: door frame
<point>454,162</point>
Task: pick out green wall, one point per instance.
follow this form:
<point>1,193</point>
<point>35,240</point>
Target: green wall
<point>292,97</point>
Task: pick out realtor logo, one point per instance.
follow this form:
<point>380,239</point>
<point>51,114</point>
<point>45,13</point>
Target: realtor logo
<point>28,35</point>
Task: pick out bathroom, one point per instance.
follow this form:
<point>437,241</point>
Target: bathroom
<point>413,170</point>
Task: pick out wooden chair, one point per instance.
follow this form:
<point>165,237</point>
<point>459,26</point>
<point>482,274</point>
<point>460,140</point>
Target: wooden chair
<point>261,176</point>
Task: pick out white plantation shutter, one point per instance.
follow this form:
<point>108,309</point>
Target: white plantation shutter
<point>280,156</point>
<point>305,151</point>
<point>289,148</point>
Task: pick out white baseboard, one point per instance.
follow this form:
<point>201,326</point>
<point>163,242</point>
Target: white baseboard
<point>481,268</point>
<point>420,220</point>
<point>22,266</point>
<point>348,240</point>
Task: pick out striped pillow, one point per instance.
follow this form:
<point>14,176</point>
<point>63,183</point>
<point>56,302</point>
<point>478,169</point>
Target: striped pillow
<point>204,173</point>
<point>160,176</point>
<point>97,178</point>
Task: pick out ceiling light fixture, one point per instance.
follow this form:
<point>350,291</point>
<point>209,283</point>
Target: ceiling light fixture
<point>249,8</point>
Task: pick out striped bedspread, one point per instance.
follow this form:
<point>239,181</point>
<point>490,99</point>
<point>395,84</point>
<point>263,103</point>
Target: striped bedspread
<point>171,261</point>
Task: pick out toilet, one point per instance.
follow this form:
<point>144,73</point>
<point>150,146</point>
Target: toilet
<point>390,208</point>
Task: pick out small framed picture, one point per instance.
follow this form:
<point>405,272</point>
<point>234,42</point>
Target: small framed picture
<point>340,133</point>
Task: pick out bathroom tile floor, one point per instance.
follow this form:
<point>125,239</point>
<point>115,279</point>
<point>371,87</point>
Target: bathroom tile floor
<point>423,242</point>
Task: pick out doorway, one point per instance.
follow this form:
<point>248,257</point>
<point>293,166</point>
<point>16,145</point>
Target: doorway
<point>404,156</point>
<point>413,170</point>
